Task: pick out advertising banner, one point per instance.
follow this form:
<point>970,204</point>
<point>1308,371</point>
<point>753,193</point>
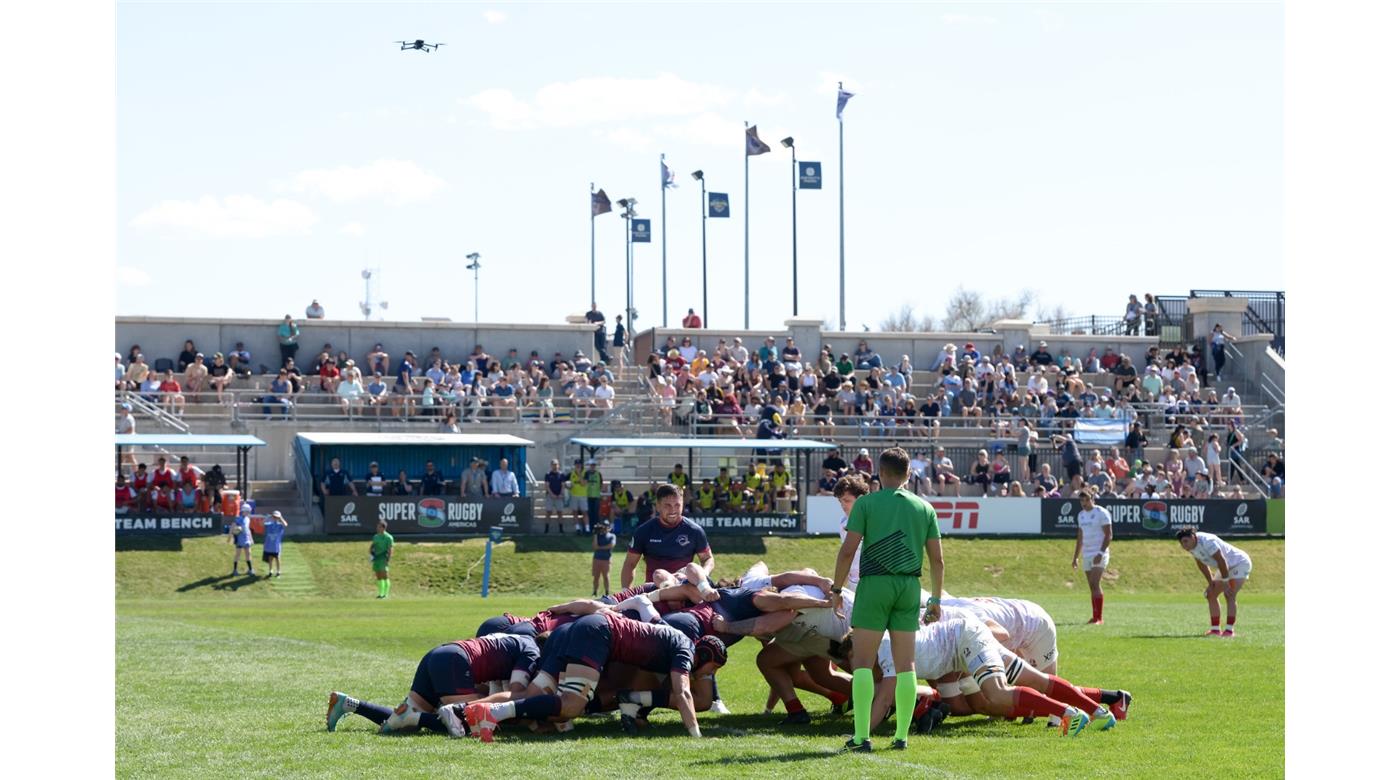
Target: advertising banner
<point>204,524</point>
<point>1158,518</point>
<point>956,516</point>
<point>1275,517</point>
<point>426,514</point>
<point>810,176</point>
<point>749,523</point>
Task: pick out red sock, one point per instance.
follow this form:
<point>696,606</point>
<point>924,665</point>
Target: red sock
<point>1026,702</point>
<point>1098,607</point>
<point>1215,622</point>
<point>1230,623</point>
<point>1065,691</point>
<point>1095,694</point>
<point>793,705</point>
<point>836,697</point>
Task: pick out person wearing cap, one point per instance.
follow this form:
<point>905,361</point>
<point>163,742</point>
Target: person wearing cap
<point>314,311</point>
<point>594,483</point>
<point>219,376</point>
<point>196,378</point>
<point>1041,356</point>
<point>240,359</point>
<point>578,495</point>
<point>969,352</point>
<point>375,481</point>
<point>473,483</point>
<point>273,529</point>
<point>863,463</point>
<point>240,535</point>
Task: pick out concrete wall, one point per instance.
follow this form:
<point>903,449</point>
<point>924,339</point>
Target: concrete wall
<point>165,337</point>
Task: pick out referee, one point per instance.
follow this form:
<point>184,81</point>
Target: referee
<point>901,527</point>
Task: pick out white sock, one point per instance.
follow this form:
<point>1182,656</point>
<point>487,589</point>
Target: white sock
<point>503,711</point>
<point>351,704</point>
<point>630,709</point>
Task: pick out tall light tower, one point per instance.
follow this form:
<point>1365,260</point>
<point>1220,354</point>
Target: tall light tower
<point>475,267</point>
<point>368,304</point>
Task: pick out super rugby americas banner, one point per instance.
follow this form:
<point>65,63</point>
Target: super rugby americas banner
<point>426,514</point>
<point>748,523</point>
<point>174,525</point>
<point>1160,519</point>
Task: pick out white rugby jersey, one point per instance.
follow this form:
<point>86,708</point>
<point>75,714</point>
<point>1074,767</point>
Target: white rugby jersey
<point>935,649</point>
<point>1092,523</point>
<point>1208,544</point>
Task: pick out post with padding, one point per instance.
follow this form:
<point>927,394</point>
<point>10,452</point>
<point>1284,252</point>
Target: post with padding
<point>492,538</point>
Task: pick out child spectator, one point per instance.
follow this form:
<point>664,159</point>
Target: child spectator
<point>273,529</point>
<point>603,543</point>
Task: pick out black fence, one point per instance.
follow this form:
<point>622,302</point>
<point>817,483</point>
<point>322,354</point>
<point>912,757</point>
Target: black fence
<point>1265,312</point>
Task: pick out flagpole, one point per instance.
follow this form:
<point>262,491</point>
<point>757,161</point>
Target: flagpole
<point>704,256</point>
<point>592,248</point>
<point>663,239</point>
<point>841,199</point>
<point>746,228</point>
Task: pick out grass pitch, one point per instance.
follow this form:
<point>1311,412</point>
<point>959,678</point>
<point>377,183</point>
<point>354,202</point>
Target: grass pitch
<point>224,676</point>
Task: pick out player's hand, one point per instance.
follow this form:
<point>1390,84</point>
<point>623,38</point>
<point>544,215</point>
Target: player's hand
<point>932,613</point>
<point>1074,563</point>
<point>720,624</point>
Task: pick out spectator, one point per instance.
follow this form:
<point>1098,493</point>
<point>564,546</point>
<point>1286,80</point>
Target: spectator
<point>865,357</point>
<point>863,463</point>
<point>792,357</point>
<point>556,498</point>
<point>691,320</point>
<point>1124,375</point>
<point>449,424</point>
<point>240,360</point>
<point>1132,316</point>
<point>944,473</point>
<point>314,311</point>
<point>503,481</point>
<point>474,483</point>
<point>121,373</point>
<point>287,334</point>
<point>1001,470</point>
<point>240,535</point>
<point>1218,337</point>
<point>970,352</point>
<point>603,543</point>
<point>1069,456</point>
<point>402,486</point>
<point>619,341</point>
<point>1100,479</point>
<point>220,375</point>
<point>981,472</point>
<point>1236,444</point>
<point>832,462</point>
<point>432,482</point>
<point>1195,468</point>
<point>127,498</point>
<point>188,355</point>
<point>274,526</point>
<point>137,372</point>
<point>1213,460</point>
<point>825,486</point>
<point>196,378</point>
<point>329,373</point>
<point>150,389</point>
<point>1041,356</point>
<point>1136,441</point>
<point>126,424</point>
<point>337,481</point>
<point>603,395</point>
<point>429,404</point>
<point>1046,481</point>
<point>1273,474</point>
<point>279,393</point>
<point>622,502</point>
<point>375,482</point>
<point>593,483</point>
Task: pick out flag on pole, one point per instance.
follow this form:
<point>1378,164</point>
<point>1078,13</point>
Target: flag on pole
<point>668,176</point>
<point>600,203</point>
<point>753,145</point>
<point>841,97</point>
<point>641,231</point>
<point>719,205</point>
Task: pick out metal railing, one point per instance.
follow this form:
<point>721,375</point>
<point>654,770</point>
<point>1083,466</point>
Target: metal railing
<point>1264,312</point>
<point>152,411</point>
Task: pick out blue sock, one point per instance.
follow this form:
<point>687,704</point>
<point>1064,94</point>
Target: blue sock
<point>375,712</point>
<point>538,707</point>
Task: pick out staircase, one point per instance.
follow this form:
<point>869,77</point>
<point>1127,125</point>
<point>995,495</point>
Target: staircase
<point>282,496</point>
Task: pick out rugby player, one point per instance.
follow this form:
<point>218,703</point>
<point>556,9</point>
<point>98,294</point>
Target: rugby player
<point>1234,565</point>
<point>902,527</point>
<point>593,642</point>
<point>381,549</point>
<point>448,674</point>
<point>1029,629</point>
<point>668,541</point>
<point>1092,539</point>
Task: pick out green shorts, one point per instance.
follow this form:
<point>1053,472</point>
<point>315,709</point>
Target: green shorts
<point>380,564</point>
<point>887,602</point>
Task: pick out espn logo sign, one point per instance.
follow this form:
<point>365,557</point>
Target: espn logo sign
<point>958,511</point>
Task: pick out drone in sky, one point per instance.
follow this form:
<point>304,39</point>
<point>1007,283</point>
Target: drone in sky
<point>419,45</point>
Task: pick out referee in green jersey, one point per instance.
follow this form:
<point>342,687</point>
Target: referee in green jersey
<point>897,528</point>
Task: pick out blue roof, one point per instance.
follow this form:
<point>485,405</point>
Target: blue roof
<point>188,440</point>
<point>704,444</point>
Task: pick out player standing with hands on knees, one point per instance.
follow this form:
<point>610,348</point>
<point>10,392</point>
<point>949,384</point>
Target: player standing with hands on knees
<point>1234,564</point>
<point>1095,533</point>
<point>898,528</point>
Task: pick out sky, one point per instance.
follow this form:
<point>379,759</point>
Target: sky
<point>269,153</point>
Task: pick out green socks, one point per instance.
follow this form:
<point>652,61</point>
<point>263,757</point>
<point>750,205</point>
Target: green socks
<point>863,694</point>
<point>905,693</point>
<point>386,595</point>
<point>383,588</point>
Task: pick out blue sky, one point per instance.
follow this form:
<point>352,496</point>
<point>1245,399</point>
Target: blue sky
<point>267,153</point>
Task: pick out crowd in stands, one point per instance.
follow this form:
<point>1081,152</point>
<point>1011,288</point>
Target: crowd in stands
<point>473,482</point>
<point>166,490</point>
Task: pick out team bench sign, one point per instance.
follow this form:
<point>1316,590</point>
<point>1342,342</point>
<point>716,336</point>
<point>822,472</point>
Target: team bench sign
<point>426,514</point>
<point>749,523</point>
<point>173,525</point>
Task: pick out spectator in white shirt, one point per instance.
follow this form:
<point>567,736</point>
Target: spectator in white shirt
<point>349,391</point>
<point>604,394</point>
<point>503,482</point>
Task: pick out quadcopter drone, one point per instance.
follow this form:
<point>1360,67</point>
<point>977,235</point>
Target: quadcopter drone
<point>419,45</point>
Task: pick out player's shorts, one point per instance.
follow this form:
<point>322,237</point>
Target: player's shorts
<point>553,503</point>
<point>686,623</point>
<point>1240,571</point>
<point>499,624</point>
<point>1041,650</point>
<point>267,556</point>
<point>589,642</point>
<point>444,671</point>
<point>380,564</point>
<point>979,654</point>
<point>552,660</point>
<point>886,602</point>
<point>247,546</point>
<point>801,640</point>
<point>1087,562</point>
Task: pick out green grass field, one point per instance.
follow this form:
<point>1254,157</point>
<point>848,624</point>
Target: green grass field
<point>227,676</point>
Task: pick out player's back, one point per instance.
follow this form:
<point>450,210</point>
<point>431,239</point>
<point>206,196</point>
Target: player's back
<point>894,524</point>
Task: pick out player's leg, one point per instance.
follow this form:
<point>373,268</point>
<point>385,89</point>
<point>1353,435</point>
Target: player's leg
<point>1020,673</point>
<point>865,643</point>
<point>776,664</point>
<point>607,575</point>
<point>1094,575</point>
<point>1232,591</point>
<point>1212,594</point>
<point>1017,702</point>
<point>905,688</point>
<point>597,574</point>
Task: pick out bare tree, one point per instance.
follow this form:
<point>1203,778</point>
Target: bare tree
<point>968,311</point>
<point>905,321</point>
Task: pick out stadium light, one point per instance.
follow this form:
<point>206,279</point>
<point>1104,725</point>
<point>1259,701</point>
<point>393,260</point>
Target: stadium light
<point>475,267</point>
<point>697,175</point>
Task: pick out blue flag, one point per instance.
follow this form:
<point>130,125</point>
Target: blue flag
<point>752,145</point>
<point>641,231</point>
<point>841,97</point>
<point>809,175</point>
<point>719,204</point>
<point>600,203</point>
<point>668,176</point>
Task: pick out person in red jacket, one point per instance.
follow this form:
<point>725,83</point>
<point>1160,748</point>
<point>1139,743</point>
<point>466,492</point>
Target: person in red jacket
<point>691,320</point>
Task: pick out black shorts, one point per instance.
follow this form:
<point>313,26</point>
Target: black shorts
<point>495,625</point>
<point>686,623</point>
<point>1002,478</point>
<point>589,642</point>
<point>551,655</point>
<point>444,671</point>
<point>268,556</point>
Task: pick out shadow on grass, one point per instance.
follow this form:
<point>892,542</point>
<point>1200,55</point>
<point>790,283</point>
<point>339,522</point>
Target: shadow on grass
<point>150,543</point>
<point>220,582</point>
<point>1167,636</point>
<point>782,758</point>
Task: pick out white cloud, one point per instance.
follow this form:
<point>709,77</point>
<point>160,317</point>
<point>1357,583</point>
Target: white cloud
<point>709,129</point>
<point>598,100</point>
<point>130,276</point>
<point>627,137</point>
<point>354,229</point>
<point>394,181</point>
<point>235,216</point>
<point>968,19</point>
<point>494,17</point>
<point>757,98</point>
